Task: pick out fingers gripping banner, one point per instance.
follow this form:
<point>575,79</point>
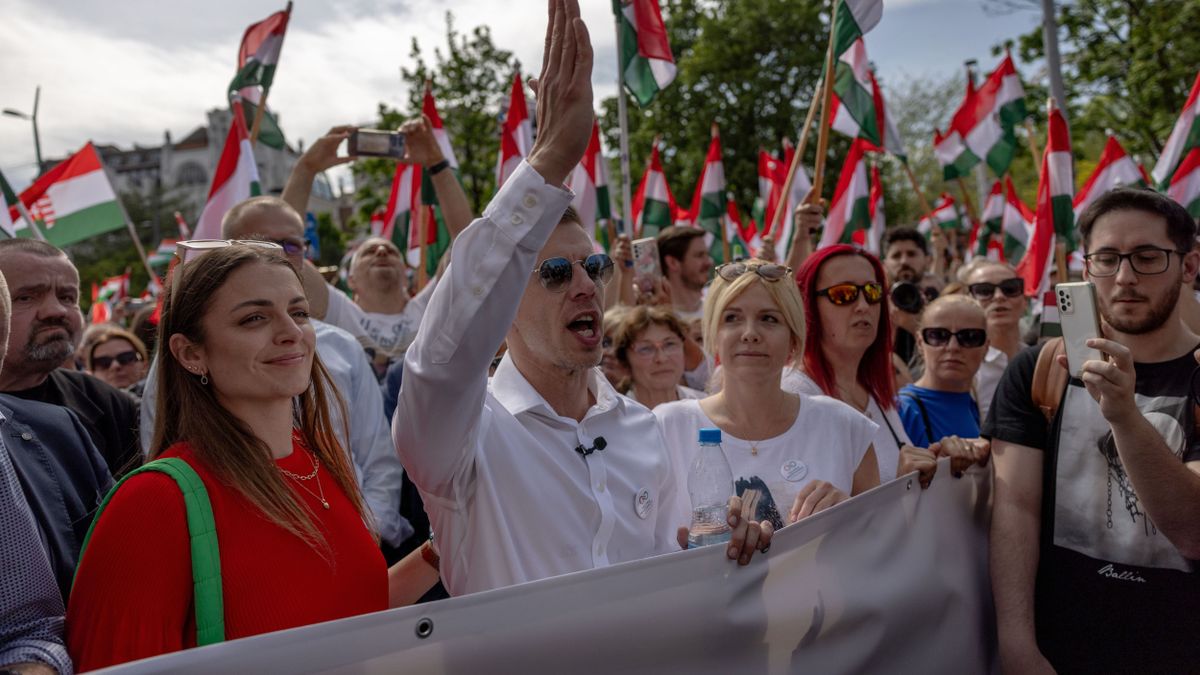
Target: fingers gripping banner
<point>894,580</point>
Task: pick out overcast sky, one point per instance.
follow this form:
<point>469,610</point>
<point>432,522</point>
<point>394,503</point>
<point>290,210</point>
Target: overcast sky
<point>126,70</point>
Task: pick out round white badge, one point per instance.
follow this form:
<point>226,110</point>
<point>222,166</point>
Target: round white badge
<point>642,503</point>
<point>793,470</point>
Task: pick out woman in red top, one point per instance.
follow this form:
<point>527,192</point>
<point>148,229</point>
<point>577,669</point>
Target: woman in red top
<point>243,399</point>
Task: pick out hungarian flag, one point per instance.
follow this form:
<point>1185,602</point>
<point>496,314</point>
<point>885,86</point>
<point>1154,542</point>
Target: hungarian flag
<point>872,239</point>
<point>516,134</point>
<point>855,18</point>
<point>437,236</point>
<point>396,224</point>
<point>1115,169</point>
<point>654,206</point>
<point>185,232</point>
<point>735,232</point>
<point>1185,183</point>
<point>589,181</point>
<point>162,255</point>
<point>235,180</point>
<point>8,222</point>
<point>72,202</point>
<point>1007,223</point>
<point>772,174</point>
<point>945,215</point>
<point>647,65</point>
<point>101,311</point>
<point>982,127</point>
<point>429,109</point>
<point>1184,138</point>
<point>851,209</point>
<point>1055,215</point>
<point>114,289</point>
<point>258,57</point>
<point>710,204</point>
<point>857,104</point>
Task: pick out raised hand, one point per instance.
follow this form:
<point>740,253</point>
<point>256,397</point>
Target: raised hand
<point>420,145</point>
<point>322,154</point>
<point>564,94</point>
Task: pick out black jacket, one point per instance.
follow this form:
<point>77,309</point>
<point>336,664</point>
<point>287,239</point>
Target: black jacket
<point>63,476</point>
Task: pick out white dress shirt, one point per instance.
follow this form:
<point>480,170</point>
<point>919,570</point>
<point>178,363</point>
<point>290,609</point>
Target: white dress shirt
<point>509,497</point>
<point>986,379</point>
<point>376,465</point>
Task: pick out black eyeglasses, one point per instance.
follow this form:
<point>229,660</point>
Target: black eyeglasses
<point>1145,260</point>
<point>555,273</point>
<point>768,271</point>
<point>124,359</point>
<point>1011,288</point>
<point>968,338</point>
<point>846,294</point>
<point>290,245</point>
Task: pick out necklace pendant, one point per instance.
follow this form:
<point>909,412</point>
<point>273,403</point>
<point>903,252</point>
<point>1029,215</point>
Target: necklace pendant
<point>325,504</point>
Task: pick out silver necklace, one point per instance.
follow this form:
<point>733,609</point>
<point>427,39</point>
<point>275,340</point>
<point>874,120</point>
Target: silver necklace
<point>300,481</point>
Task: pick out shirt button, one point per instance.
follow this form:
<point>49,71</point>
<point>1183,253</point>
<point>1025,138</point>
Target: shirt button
<point>477,290</point>
<point>26,436</point>
<point>599,487</point>
<point>530,201</point>
<point>516,219</point>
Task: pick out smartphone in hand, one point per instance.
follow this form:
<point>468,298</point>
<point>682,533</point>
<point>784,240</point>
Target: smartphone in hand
<point>1079,317</point>
<point>646,270</point>
<point>376,143</point>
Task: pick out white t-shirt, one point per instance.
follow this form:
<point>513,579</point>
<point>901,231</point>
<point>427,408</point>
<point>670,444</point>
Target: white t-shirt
<point>391,334</point>
<point>986,379</point>
<point>684,393</point>
<point>888,427</point>
<point>827,441</point>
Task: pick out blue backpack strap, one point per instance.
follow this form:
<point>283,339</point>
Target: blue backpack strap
<point>202,531</point>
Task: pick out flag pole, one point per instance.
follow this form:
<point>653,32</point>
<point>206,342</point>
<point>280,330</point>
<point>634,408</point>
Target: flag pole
<point>725,248</point>
<point>1032,138</point>
<point>797,159</point>
<point>37,231</point>
<point>912,179</point>
<point>967,199</point>
<point>623,117</point>
<point>827,102</point>
<point>1060,247</point>
<point>137,243</point>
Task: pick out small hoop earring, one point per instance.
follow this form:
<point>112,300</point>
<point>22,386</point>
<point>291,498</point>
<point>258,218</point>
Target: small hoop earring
<point>204,379</point>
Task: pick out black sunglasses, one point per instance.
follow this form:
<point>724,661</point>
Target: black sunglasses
<point>555,273</point>
<point>1011,288</point>
<point>768,271</point>
<point>845,294</point>
<point>968,338</point>
<point>124,359</point>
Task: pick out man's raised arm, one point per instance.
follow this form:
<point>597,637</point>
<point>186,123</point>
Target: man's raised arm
<point>441,401</point>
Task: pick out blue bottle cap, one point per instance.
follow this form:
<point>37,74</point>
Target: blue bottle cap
<point>710,435</point>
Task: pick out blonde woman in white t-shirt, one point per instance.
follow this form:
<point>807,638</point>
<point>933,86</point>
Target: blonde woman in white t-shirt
<point>792,455</point>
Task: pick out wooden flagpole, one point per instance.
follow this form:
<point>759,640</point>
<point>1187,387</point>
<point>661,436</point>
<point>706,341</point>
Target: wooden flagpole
<point>1032,138</point>
<point>725,248</point>
<point>37,231</point>
<point>137,242</point>
<point>797,158</point>
<point>826,103</point>
<point>912,179</point>
<point>623,118</point>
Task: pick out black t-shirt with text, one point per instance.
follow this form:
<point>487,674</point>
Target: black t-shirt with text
<point>1112,593</point>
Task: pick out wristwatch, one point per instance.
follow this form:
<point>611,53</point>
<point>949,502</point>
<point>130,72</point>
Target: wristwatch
<point>428,554</point>
<point>439,167</point>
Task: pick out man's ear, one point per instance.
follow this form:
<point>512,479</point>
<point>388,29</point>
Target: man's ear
<point>1191,265</point>
<point>672,265</point>
<point>189,354</point>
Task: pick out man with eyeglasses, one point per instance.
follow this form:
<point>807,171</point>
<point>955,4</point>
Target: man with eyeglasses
<point>996,286</point>
<point>1096,518</point>
<point>546,469</point>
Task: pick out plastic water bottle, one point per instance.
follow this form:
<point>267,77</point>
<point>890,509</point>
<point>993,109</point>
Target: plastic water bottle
<point>710,485</point>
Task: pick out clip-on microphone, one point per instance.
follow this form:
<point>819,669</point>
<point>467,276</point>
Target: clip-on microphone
<point>598,444</point>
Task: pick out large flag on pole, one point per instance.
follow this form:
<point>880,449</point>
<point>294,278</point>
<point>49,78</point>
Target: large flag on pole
<point>647,66</point>
<point>1184,138</point>
<point>258,57</point>
<point>398,218</point>
<point>1185,183</point>
<point>235,180</point>
<point>654,206</point>
<point>72,202</point>
<point>8,222</point>
<point>516,135</point>
<point>429,109</point>
<point>945,216</point>
<point>1007,223</point>
<point>589,182</point>
<point>982,127</point>
<point>1055,215</point>
<point>851,209</point>
<point>1115,169</point>
<point>855,18</point>
<point>772,174</point>
<point>710,208</point>
<point>872,239</point>
<point>437,235</point>
<point>735,231</point>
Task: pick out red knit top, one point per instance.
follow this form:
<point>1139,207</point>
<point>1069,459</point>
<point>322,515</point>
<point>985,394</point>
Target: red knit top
<point>132,597</point>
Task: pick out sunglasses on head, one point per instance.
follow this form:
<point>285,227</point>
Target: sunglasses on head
<point>1011,288</point>
<point>968,338</point>
<point>556,273</point>
<point>768,271</point>
<point>191,248</point>
<point>845,294</point>
<point>124,359</point>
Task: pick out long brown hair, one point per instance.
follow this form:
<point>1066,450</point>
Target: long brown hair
<point>189,411</point>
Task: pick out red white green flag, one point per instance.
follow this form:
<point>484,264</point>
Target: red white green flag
<point>735,232</point>
<point>235,180</point>
<point>710,207</point>
<point>1184,138</point>
<point>1115,169</point>
<point>71,202</point>
<point>589,182</point>
<point>8,222</point>
<point>858,107</point>
<point>772,174</point>
<point>516,134</point>
<point>1007,224</point>
<point>647,66</point>
<point>437,236</point>
<point>851,208</point>
<point>654,206</point>
<point>1185,184</point>
<point>429,109</point>
<point>1054,215</point>
<point>872,239</point>
<point>258,57</point>
<point>113,289</point>
<point>982,127</point>
<point>163,254</point>
<point>398,218</point>
<point>945,215</point>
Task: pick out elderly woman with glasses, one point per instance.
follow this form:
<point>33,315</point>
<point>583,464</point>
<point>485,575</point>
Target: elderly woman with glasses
<point>649,343</point>
<point>249,519</point>
<point>792,455</point>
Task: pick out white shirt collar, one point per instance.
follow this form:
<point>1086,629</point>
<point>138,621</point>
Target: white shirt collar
<point>993,355</point>
<point>517,395</point>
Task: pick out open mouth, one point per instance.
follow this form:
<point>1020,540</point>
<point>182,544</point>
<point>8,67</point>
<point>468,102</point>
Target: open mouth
<point>586,327</point>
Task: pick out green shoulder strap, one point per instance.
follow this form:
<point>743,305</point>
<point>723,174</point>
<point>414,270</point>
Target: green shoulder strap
<point>202,530</point>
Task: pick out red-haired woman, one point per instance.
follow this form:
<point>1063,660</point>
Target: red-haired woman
<point>848,354</point>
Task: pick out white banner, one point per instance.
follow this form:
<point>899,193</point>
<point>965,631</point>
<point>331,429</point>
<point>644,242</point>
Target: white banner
<point>894,580</point>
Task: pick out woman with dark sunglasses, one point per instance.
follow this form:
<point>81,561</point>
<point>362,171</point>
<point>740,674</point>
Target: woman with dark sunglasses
<point>1001,293</point>
<point>116,356</point>
<point>953,339</point>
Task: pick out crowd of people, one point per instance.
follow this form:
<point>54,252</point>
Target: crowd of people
<point>531,411</point>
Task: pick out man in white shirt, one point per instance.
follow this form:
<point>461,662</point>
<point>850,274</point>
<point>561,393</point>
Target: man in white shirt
<point>376,466</point>
<point>516,480</point>
<point>383,315</point>
<point>686,266</point>
<point>996,286</point>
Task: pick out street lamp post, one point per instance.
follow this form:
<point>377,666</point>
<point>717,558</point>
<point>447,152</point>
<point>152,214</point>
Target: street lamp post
<point>37,141</point>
